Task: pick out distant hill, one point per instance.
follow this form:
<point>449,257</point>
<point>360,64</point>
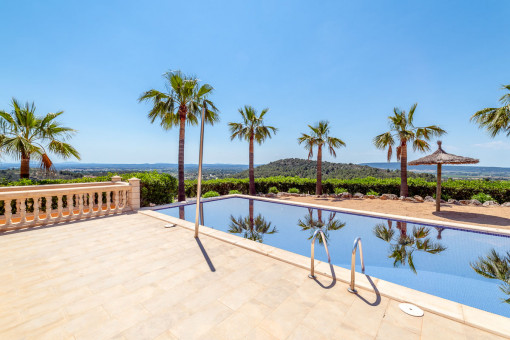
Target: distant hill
<point>453,171</point>
<point>308,169</point>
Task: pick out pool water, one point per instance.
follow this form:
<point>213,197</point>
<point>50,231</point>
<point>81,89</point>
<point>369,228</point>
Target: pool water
<point>432,259</point>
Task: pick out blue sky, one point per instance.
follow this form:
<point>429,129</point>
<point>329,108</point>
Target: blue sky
<point>349,62</point>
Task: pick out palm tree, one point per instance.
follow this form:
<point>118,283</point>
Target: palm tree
<point>252,128</point>
<point>309,223</point>
<point>403,131</point>
<point>497,267</point>
<point>495,119</point>
<point>180,104</point>
<point>319,137</point>
<point>403,246</point>
<point>25,136</point>
<point>252,228</point>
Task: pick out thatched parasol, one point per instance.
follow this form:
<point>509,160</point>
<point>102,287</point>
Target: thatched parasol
<point>440,157</point>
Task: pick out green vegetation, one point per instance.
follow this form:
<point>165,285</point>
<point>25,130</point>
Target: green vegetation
<point>210,194</point>
<point>293,191</point>
<point>320,137</point>
<point>295,167</point>
<point>402,131</point>
<point>495,119</point>
<point>182,104</point>
<point>458,189</point>
<point>252,128</point>
<point>372,192</point>
<point>24,136</point>
<point>482,197</point>
<point>339,191</point>
<point>155,187</point>
<point>273,190</point>
<point>234,192</point>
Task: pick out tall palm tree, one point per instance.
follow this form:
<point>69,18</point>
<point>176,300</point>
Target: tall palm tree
<point>402,131</point>
<point>495,119</point>
<point>403,246</point>
<point>497,267</point>
<point>251,227</point>
<point>309,223</point>
<point>180,104</point>
<point>252,129</point>
<point>25,136</point>
<point>319,137</point>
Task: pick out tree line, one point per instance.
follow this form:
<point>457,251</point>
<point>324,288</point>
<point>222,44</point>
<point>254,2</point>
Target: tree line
<point>186,97</point>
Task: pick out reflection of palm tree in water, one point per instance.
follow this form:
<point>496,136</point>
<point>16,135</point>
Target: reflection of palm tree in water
<point>497,267</point>
<point>403,246</point>
<point>439,231</point>
<point>311,224</point>
<point>251,227</point>
<point>182,216</point>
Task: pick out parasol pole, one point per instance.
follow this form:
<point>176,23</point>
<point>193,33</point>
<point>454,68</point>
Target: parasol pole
<point>438,189</point>
<point>200,156</point>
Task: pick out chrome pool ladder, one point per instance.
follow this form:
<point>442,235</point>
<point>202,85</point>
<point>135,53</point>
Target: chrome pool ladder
<point>312,265</point>
<point>357,241</point>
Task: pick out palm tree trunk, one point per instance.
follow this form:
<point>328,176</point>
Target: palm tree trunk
<point>181,196</point>
<point>251,170</point>
<point>24,170</point>
<point>318,186</point>
<point>404,191</point>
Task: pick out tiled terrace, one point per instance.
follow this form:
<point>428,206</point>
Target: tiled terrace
<point>127,277</point>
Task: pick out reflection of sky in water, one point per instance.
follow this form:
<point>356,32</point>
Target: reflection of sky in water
<point>447,274</point>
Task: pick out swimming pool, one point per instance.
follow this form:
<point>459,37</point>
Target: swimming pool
<point>432,259</point>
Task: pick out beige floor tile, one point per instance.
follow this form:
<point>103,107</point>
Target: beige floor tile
<point>237,296</point>
<point>199,323</point>
<point>241,322</point>
<point>285,318</point>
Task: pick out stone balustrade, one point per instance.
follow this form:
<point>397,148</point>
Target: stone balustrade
<point>27,206</point>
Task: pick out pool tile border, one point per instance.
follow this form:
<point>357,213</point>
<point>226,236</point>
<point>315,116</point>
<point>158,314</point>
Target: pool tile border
<point>471,316</point>
<point>435,223</point>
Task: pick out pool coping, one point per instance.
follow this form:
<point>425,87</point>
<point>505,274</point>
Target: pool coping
<point>490,322</point>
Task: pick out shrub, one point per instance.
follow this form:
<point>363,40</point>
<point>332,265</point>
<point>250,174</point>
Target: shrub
<point>294,191</point>
<point>372,192</point>
<point>458,189</point>
<point>482,197</point>
<point>210,194</point>
<point>233,192</point>
<point>273,190</point>
<point>339,191</point>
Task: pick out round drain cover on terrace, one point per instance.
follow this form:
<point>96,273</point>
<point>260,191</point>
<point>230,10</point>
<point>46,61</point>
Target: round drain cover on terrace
<point>411,309</point>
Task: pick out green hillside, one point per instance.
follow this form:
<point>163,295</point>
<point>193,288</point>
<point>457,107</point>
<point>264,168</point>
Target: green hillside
<point>307,169</point>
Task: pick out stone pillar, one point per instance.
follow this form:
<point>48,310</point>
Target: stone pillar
<point>134,196</point>
<point>116,179</point>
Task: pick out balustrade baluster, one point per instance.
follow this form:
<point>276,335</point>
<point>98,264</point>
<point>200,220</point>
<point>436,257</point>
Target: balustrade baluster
<point>91,203</point>
<point>108,202</point>
<point>8,212</point>
<point>23,212</point>
<point>48,207</point>
<point>36,209</point>
<point>80,205</point>
<point>116,200</point>
<point>60,209</point>
<point>99,203</point>
<point>70,205</point>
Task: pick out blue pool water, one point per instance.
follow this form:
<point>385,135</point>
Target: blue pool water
<point>443,270</point>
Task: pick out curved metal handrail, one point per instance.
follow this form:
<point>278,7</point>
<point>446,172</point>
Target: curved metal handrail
<point>312,265</point>
<point>353,263</point>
